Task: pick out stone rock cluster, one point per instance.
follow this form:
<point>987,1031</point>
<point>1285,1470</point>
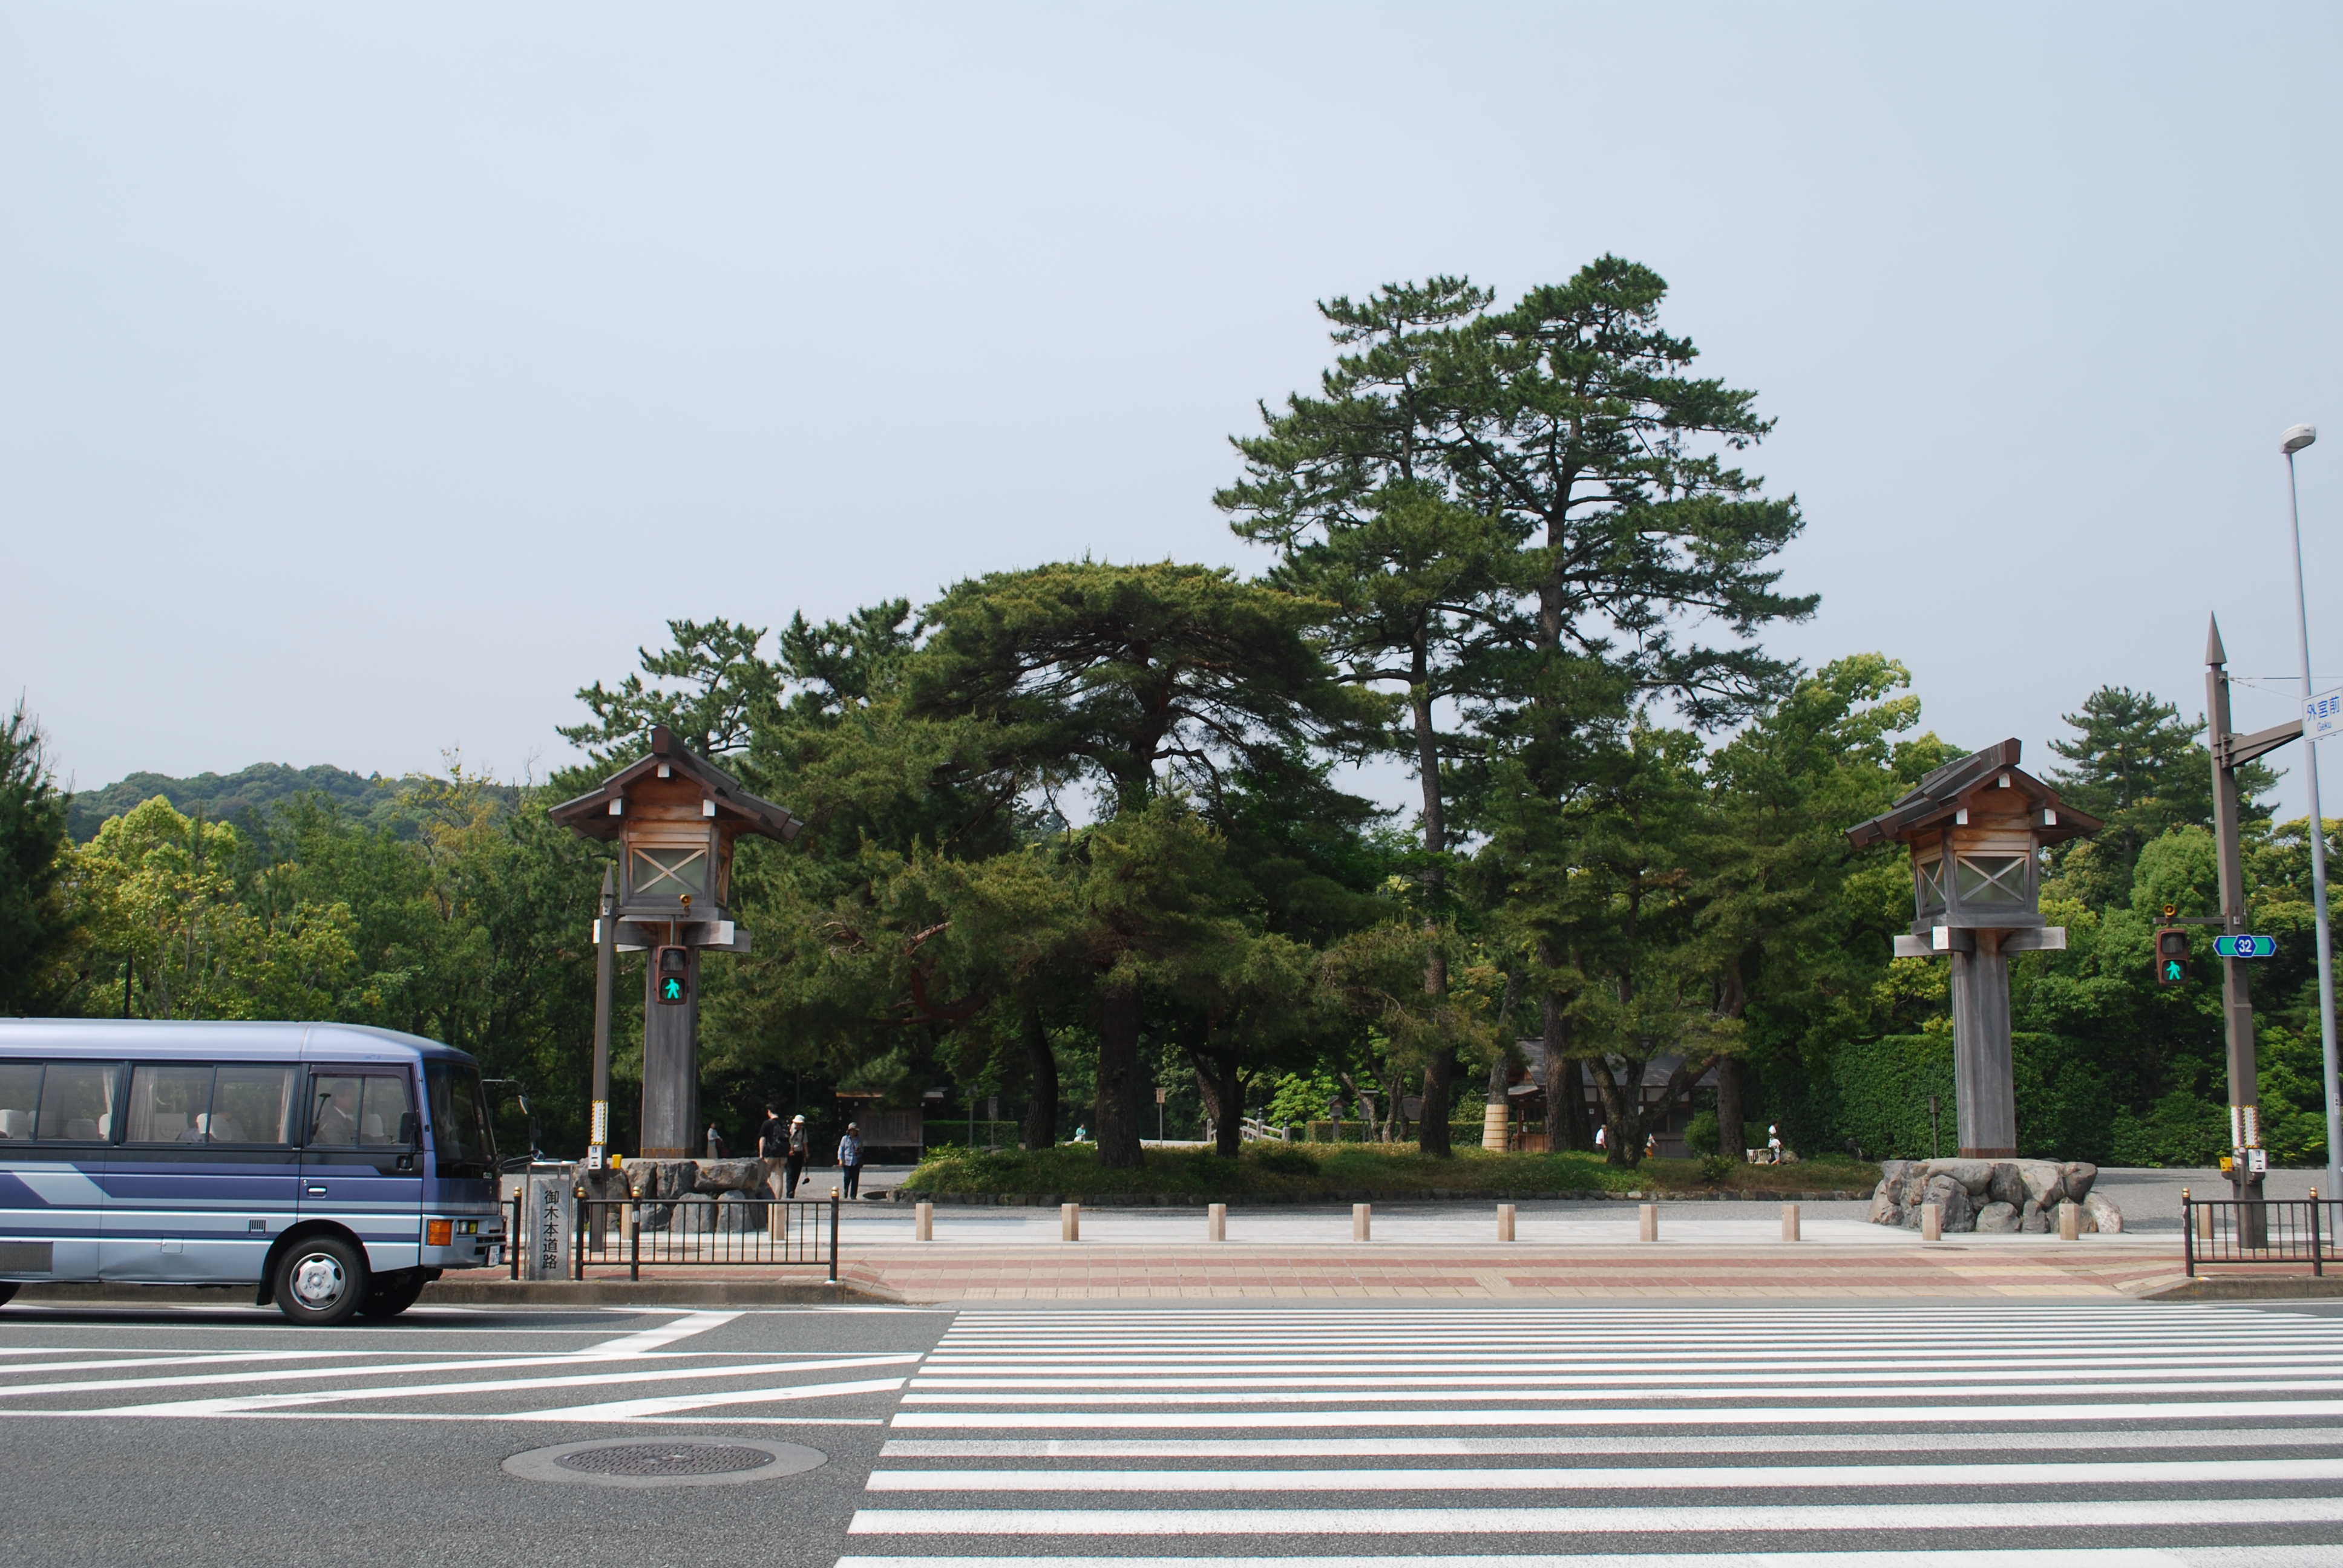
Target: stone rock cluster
<point>690,1194</point>
<point>1990,1194</point>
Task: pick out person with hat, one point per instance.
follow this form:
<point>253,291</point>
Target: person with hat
<point>793,1163</point>
<point>850,1160</point>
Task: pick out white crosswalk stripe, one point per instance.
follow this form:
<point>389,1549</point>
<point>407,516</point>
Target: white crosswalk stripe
<point>663,1371</point>
<point>1978,1436</point>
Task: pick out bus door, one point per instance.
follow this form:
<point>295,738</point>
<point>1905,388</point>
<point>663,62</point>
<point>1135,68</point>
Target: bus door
<point>362,1165</point>
<point>55,1121</point>
<point>204,1178</point>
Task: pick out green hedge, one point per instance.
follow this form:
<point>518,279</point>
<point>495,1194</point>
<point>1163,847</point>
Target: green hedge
<point>2064,1111</point>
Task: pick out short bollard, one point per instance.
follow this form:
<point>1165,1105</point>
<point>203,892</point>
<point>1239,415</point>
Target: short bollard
<point>1505,1221</point>
<point>1789,1221</point>
<point>923,1218</point>
<point>1069,1222</point>
<point>2071,1221</point>
<point>1648,1222</point>
<point>1361,1220</point>
<point>1216,1222</point>
<point>2204,1221</point>
<point>1932,1222</point>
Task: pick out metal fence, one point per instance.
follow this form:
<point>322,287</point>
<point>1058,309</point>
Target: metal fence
<point>668,1233</point>
<point>2223,1230</point>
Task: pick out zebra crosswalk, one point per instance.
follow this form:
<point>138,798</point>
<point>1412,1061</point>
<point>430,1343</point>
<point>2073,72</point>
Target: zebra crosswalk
<point>2116,1437</point>
<point>666,1372</point>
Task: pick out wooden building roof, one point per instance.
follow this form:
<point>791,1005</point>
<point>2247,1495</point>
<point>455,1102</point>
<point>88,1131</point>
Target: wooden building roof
<point>1944,795</point>
<point>736,810</point>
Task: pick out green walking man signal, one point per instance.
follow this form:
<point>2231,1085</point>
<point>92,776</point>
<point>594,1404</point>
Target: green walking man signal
<point>2171,955</point>
<point>673,968</point>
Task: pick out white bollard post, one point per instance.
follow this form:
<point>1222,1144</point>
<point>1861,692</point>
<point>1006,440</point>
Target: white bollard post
<point>1361,1220</point>
<point>1216,1222</point>
<point>1932,1222</point>
<point>1647,1227</point>
<point>1789,1221</point>
<point>1069,1222</point>
<point>2071,1221</point>
<point>1505,1221</point>
<point>924,1217</point>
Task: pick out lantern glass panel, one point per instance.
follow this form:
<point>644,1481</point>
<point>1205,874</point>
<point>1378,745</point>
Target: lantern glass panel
<point>1930,876</point>
<point>670,873</point>
<point>1991,879</point>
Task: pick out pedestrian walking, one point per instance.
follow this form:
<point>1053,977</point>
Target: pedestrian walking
<point>715,1142</point>
<point>1773,1145</point>
<point>793,1157</point>
<point>772,1144</point>
<point>1599,1133</point>
<point>850,1160</point>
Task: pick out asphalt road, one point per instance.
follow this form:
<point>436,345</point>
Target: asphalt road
<point>1661,1435</point>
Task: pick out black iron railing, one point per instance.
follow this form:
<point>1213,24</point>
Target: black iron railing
<point>737,1231</point>
<point>2223,1230</point>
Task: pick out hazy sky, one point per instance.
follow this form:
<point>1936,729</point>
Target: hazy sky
<point>372,377</point>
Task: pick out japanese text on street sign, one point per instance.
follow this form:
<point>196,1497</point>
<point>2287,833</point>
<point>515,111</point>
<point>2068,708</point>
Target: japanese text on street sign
<point>2323,715</point>
<point>2246,946</point>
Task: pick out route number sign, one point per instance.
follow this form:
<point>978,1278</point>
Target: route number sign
<point>2246,946</point>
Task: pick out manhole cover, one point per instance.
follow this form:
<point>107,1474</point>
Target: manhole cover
<point>631,1461</point>
<point>666,1459</point>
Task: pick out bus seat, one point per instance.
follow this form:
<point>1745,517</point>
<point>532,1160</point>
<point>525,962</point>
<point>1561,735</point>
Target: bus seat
<point>370,1129</point>
<point>81,1129</point>
<point>168,1126</point>
<point>15,1124</point>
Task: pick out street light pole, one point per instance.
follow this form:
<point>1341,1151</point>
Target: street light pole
<point>2293,441</point>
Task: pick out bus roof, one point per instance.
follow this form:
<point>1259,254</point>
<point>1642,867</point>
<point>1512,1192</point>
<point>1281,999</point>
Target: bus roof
<point>167,1039</point>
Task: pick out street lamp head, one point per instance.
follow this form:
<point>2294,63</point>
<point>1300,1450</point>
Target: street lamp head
<point>2297,437</point>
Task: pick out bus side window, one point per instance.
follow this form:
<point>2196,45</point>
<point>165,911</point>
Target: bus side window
<point>334,1112</point>
<point>20,1097</point>
<point>382,1122</point>
<point>77,1102</point>
<point>250,1105</point>
<point>168,1103</point>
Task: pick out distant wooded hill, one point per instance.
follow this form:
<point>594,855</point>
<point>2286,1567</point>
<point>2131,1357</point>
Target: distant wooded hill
<point>241,797</point>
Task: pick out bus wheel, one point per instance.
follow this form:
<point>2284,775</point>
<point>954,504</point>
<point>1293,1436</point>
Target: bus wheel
<point>320,1282</point>
<point>393,1294</point>
<point>7,1290</point>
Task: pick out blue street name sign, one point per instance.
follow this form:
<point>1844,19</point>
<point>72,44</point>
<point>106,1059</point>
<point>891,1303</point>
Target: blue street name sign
<point>2246,946</point>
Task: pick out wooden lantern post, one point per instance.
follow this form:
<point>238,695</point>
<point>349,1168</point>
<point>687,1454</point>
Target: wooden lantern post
<point>1975,829</point>
<point>675,818</point>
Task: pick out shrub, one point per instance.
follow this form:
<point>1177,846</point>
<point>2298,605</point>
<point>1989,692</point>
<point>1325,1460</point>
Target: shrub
<point>1699,1134</point>
<point>1717,1168</point>
<point>1286,1161</point>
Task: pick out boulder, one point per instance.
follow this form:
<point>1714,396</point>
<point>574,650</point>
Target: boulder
<point>2079,1179</point>
<point>663,1177</point>
<point>1998,1217</point>
<point>739,1215</point>
<point>2100,1215</point>
<point>2006,1185</point>
<point>1885,1209</point>
<point>2034,1220</point>
<point>2045,1182</point>
<point>718,1176</point>
<point>695,1214</point>
<point>1953,1196</point>
<point>1973,1175</point>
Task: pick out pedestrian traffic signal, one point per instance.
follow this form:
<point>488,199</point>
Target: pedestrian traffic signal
<point>672,974</point>
<point>2171,955</point>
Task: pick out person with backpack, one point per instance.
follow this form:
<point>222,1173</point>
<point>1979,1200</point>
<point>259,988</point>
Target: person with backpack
<point>850,1160</point>
<point>772,1145</point>
<point>793,1160</point>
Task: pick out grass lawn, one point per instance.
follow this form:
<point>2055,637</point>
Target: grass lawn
<point>1331,1171</point>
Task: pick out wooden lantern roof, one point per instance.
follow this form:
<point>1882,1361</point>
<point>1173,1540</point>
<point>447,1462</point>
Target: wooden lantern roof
<point>600,812</point>
<point>1987,781</point>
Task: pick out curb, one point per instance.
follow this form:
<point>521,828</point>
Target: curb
<point>2243,1288</point>
<point>507,1294</point>
<point>1291,1201</point>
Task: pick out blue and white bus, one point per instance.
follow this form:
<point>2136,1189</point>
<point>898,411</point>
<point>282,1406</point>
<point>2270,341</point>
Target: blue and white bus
<point>338,1168</point>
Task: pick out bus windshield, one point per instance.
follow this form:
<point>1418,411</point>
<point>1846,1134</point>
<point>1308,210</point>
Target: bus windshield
<point>459,1123</point>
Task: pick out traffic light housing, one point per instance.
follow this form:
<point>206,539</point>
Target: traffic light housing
<point>2171,955</point>
<point>672,969</point>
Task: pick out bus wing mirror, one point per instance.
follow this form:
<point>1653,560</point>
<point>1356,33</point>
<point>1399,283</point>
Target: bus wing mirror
<point>409,1126</point>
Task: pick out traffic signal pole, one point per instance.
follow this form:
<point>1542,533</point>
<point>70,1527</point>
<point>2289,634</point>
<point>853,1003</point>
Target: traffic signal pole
<point>2230,752</point>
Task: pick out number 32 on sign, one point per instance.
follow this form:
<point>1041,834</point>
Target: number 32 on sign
<point>2246,946</point>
